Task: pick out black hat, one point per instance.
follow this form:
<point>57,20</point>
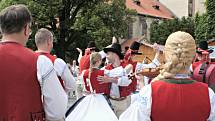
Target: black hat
<point>116,48</point>
<point>135,47</point>
<point>203,45</point>
<point>126,48</point>
<point>92,45</point>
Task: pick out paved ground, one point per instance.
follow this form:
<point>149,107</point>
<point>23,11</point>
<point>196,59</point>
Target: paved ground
<point>72,99</point>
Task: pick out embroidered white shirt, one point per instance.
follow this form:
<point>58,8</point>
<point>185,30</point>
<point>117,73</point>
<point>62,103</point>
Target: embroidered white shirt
<point>54,97</point>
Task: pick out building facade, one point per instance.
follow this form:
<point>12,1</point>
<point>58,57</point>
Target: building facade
<point>147,12</point>
<point>185,8</point>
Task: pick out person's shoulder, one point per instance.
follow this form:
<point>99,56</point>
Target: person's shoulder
<point>28,51</point>
<point>44,59</point>
<point>109,66</point>
<point>59,60</point>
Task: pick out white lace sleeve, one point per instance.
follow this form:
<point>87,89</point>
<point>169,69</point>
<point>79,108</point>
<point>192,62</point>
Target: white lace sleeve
<point>140,109</point>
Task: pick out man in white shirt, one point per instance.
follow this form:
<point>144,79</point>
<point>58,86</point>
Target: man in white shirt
<point>119,90</point>
<point>26,77</point>
<point>44,43</point>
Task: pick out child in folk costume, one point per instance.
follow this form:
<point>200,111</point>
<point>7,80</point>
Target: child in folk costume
<point>173,95</point>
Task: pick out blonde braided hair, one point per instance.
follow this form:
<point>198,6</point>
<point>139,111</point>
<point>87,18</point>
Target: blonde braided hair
<point>179,52</point>
<point>94,58</point>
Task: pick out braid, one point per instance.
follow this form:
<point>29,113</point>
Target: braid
<point>179,52</point>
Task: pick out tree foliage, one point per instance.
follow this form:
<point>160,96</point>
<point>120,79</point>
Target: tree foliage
<point>160,31</point>
<point>201,27</point>
<point>210,4</point>
<point>104,21</point>
<point>76,22</point>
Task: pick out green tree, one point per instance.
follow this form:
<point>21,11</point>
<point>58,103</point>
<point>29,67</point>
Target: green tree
<point>75,22</point>
<point>160,31</point>
<point>154,33</point>
<point>210,4</point>
<point>201,27</point>
<point>104,21</point>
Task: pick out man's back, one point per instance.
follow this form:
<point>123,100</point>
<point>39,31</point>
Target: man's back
<point>20,90</point>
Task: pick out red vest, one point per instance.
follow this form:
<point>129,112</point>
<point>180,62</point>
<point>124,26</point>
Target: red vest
<point>84,63</point>
<point>52,58</point>
<point>205,73</point>
<point>195,64</point>
<point>20,92</point>
<point>99,88</point>
<point>124,91</point>
<point>180,102</point>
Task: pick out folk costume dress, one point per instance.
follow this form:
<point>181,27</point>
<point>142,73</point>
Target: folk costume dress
<point>95,106</point>
<point>172,100</point>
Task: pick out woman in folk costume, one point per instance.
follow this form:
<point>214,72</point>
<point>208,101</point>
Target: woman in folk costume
<point>95,106</point>
<point>173,95</point>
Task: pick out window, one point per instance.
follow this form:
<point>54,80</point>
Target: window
<point>143,26</point>
<point>190,8</point>
<point>130,30</point>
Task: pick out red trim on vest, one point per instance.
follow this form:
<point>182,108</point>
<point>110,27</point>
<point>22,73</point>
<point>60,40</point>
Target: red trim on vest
<point>180,102</point>
<point>124,91</point>
<point>20,90</point>
<point>99,88</point>
<point>52,58</point>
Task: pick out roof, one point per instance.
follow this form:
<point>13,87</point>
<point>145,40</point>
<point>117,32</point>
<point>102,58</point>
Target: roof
<point>150,7</point>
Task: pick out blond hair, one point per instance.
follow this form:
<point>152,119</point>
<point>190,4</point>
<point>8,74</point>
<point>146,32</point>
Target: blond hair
<point>179,52</point>
<point>94,58</point>
<point>42,36</point>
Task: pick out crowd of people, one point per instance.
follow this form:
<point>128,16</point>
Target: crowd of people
<point>109,90</point>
